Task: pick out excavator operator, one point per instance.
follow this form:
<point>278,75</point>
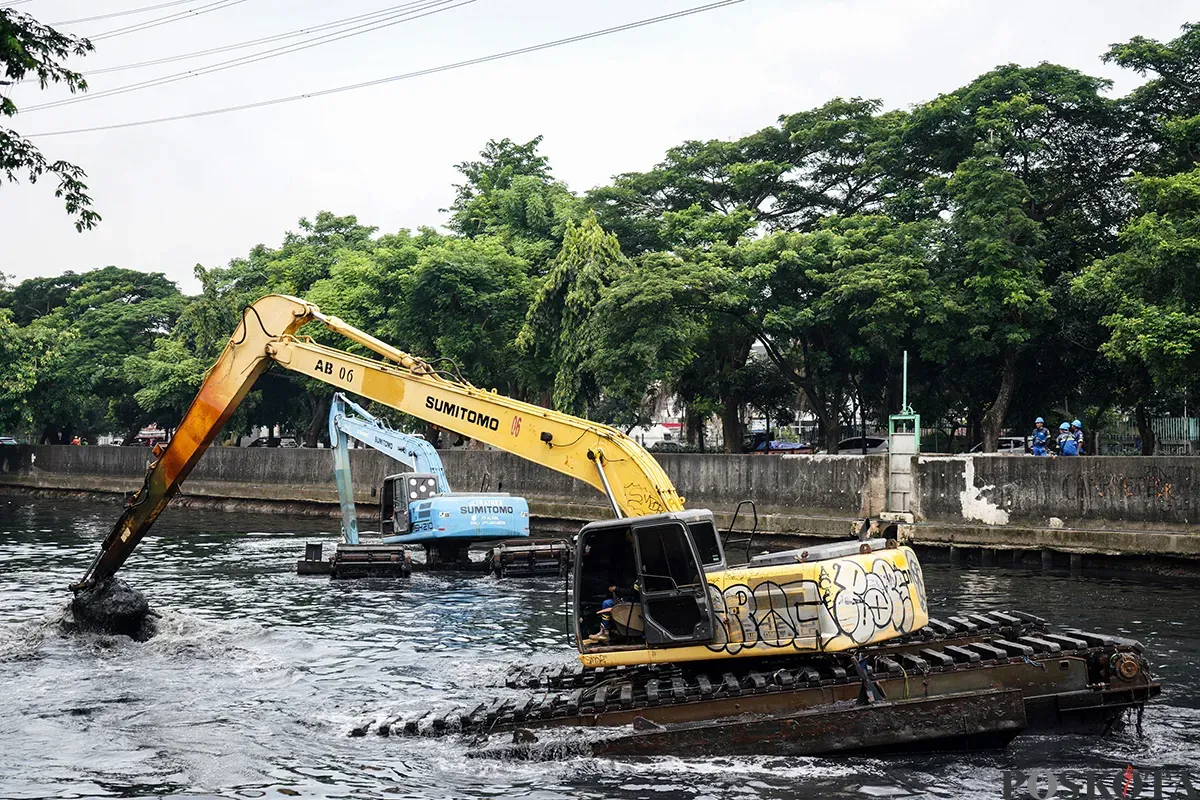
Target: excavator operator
<point>625,604</point>
<point>620,604</point>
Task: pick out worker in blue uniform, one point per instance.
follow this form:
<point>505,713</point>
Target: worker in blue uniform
<point>1077,432</point>
<point>1040,438</point>
<point>1067,444</point>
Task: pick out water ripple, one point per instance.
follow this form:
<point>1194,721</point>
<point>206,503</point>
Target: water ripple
<point>258,675</point>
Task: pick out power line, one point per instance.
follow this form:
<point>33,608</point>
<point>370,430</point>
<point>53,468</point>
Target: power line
<point>13,3</point>
<point>417,74</point>
<point>338,23</point>
<point>429,7</point>
<point>217,5</point>
<point>141,10</point>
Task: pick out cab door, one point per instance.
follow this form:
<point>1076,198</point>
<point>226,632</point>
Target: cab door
<point>675,603</point>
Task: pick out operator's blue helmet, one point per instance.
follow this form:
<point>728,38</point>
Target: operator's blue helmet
<point>1077,424</point>
<point>1039,419</point>
<point>1066,426</point>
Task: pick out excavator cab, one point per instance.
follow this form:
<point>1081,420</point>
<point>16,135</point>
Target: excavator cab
<point>652,569</point>
<point>399,491</point>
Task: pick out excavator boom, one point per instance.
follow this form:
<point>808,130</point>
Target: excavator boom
<point>596,454</point>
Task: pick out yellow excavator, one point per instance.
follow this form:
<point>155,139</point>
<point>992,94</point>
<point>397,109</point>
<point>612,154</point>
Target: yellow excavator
<point>651,585</point>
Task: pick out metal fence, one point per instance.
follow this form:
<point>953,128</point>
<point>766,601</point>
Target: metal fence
<point>1174,436</point>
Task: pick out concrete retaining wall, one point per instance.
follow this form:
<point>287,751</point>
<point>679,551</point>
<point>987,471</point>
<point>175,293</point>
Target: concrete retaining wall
<point>1124,492</point>
<point>815,495</point>
<point>1125,505</point>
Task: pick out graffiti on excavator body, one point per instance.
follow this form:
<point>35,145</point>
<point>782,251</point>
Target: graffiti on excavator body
<point>643,497</point>
<point>860,600</point>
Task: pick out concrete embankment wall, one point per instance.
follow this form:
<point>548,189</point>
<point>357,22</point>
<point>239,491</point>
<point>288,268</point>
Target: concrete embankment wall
<point>820,498</point>
<point>1123,505</point>
<point>1108,504</point>
<point>1163,491</point>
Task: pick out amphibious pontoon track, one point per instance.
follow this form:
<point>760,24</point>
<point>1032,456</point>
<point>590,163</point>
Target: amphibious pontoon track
<point>1063,676</point>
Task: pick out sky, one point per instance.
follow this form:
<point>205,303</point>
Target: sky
<point>206,190</point>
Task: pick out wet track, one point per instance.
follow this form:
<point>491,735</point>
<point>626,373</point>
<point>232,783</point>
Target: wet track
<point>258,676</point>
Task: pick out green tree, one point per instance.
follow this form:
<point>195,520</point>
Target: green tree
<point>682,221</point>
<point>1052,128</point>
<point>1055,130</point>
<point>847,159</point>
<point>556,327</point>
<point>310,255</point>
<point>1148,293</point>
<point>30,50</point>
<point>38,297</point>
<point>646,337</point>
<point>834,307</point>
<point>717,178</point>
<point>992,302</point>
<point>80,330</point>
<point>510,193</point>
<point>306,259</point>
<point>24,354</point>
<point>1166,108</point>
<point>464,304</point>
<point>829,307</point>
<point>705,197</point>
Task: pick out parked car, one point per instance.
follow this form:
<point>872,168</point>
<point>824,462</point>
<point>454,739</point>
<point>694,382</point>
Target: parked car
<point>781,446</point>
<point>264,441</point>
<point>1008,445</point>
<point>854,446</point>
<point>7,440</point>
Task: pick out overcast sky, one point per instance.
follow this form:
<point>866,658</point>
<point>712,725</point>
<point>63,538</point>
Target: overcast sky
<point>206,190</point>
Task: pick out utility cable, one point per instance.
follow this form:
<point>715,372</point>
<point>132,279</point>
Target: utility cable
<point>13,3</point>
<point>217,5</point>
<point>141,10</point>
<point>366,27</point>
<point>338,23</point>
<point>405,76</point>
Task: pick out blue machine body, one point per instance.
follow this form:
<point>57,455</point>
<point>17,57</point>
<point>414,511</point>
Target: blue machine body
<point>437,518</point>
<point>416,507</point>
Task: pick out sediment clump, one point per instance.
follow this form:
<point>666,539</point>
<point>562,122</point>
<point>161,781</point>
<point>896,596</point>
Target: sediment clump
<point>113,606</point>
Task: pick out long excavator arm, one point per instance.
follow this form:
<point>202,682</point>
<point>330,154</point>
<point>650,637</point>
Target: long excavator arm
<point>596,454</point>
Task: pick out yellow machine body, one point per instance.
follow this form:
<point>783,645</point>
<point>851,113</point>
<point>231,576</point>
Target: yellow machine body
<point>822,606</point>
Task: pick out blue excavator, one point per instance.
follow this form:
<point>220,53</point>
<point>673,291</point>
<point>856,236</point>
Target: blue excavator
<point>417,507</point>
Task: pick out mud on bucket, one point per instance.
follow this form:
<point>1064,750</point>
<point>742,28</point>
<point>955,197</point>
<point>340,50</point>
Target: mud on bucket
<point>113,606</point>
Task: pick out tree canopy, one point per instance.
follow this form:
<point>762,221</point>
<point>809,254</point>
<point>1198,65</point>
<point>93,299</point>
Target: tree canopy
<point>1030,240</point>
<point>32,51</point>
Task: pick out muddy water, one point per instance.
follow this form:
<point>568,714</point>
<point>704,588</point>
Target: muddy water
<point>258,676</point>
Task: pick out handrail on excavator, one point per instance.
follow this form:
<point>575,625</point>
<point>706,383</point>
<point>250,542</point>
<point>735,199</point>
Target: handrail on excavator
<point>598,455</point>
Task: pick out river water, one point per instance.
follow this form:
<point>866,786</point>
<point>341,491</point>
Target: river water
<point>259,675</point>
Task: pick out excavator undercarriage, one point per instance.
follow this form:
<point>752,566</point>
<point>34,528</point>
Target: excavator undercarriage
<point>970,681</point>
<point>520,558</point>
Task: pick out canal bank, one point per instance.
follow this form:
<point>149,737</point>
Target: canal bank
<point>983,508</point>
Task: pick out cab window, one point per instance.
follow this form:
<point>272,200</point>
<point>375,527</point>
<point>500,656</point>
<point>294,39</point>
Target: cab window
<point>666,558</point>
<point>704,534</point>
